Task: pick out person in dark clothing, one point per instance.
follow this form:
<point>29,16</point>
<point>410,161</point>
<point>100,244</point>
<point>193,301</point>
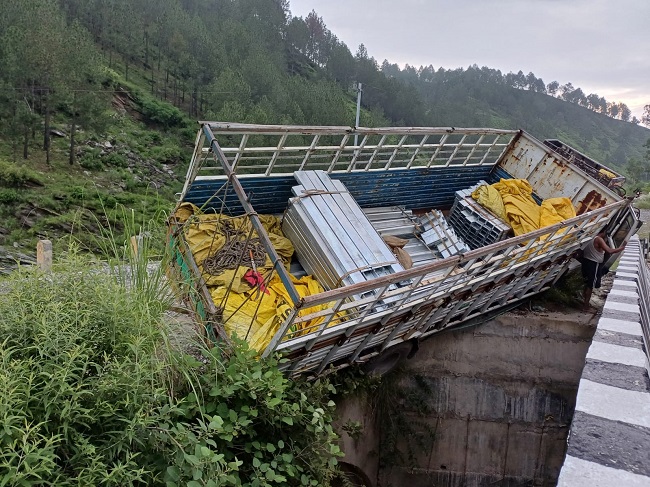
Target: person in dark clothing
<point>593,257</point>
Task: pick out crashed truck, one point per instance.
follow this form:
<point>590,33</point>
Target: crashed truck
<point>342,245</point>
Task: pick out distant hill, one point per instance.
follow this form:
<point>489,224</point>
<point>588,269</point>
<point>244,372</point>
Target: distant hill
<point>124,81</point>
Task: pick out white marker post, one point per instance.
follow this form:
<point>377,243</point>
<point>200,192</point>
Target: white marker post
<point>44,255</point>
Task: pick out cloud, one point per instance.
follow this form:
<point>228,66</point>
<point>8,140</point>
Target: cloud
<point>594,44</point>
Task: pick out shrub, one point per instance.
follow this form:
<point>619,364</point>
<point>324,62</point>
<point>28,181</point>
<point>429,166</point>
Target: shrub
<point>12,176</point>
<point>246,424</point>
<point>115,159</point>
<point>77,192</point>
<point>79,384</point>
<point>91,395</point>
<point>159,112</point>
<point>91,159</point>
<point>8,196</point>
<point>166,154</point>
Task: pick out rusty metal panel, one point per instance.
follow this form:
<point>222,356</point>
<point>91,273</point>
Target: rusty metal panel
<point>552,176</point>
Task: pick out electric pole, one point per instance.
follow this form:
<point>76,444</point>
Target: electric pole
<point>356,123</point>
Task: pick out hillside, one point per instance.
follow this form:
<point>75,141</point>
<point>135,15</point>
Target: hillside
<point>98,101</point>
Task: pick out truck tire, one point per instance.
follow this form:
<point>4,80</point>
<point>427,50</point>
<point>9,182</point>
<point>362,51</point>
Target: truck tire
<point>388,359</point>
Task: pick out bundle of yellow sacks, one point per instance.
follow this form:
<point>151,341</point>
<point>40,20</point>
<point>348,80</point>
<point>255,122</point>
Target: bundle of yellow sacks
<point>512,201</point>
<point>253,313</point>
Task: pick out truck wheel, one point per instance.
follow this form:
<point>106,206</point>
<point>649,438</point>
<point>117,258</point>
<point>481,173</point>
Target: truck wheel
<point>388,359</point>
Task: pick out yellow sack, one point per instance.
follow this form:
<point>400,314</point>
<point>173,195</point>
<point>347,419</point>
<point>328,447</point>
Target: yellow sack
<point>607,173</point>
<point>522,213</point>
<point>256,316</point>
<point>488,197</point>
<point>240,308</point>
<point>185,211</point>
<point>249,313</point>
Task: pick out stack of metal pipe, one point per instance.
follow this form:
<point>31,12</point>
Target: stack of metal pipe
<point>438,235</point>
<point>392,220</point>
<point>475,225</point>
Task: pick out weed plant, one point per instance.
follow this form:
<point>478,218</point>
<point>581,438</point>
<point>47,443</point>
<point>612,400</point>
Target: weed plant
<point>81,381</point>
<point>93,393</point>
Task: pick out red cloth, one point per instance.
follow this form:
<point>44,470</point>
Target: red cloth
<point>255,279</point>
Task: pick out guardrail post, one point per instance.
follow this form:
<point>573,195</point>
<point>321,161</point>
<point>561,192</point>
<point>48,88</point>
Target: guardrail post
<point>44,255</point>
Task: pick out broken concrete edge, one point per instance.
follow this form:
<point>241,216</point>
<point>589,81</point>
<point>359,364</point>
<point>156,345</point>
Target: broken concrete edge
<point>610,430</point>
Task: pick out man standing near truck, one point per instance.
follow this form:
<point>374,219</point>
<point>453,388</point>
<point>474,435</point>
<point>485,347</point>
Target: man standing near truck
<point>593,257</point>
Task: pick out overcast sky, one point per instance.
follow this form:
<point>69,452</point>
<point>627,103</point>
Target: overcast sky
<point>601,46</point>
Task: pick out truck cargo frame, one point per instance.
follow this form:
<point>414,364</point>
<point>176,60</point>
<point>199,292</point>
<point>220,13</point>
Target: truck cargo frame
<point>241,169</point>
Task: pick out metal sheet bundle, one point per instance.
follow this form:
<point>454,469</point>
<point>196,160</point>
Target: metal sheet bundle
<point>475,225</point>
<point>439,236</point>
<point>392,220</point>
<point>333,239</point>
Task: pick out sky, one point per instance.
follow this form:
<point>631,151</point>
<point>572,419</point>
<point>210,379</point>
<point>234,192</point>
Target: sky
<point>601,46</point>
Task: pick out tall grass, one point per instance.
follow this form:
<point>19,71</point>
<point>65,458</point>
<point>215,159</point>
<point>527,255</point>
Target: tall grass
<point>136,256</point>
<point>93,393</point>
<point>80,384</point>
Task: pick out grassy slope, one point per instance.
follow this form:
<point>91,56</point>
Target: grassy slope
<point>143,166</point>
<point>130,164</point>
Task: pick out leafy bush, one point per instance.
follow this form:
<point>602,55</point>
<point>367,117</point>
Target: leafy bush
<point>79,385</point>
<point>245,424</point>
<point>115,159</point>
<point>77,192</point>
<point>8,196</point>
<point>159,112</point>
<point>91,394</point>
<point>166,154</point>
<point>13,176</point>
<point>91,159</point>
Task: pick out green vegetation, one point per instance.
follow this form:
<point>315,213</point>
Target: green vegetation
<point>93,392</point>
<point>99,99</point>
<point>565,293</point>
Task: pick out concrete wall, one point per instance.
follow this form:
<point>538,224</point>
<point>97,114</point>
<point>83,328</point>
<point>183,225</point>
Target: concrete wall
<point>361,446</point>
<point>489,405</point>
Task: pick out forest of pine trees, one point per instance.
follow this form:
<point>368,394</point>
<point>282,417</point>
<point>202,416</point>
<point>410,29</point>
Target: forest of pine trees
<point>252,61</point>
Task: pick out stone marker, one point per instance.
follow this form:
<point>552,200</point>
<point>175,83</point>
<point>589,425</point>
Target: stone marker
<point>44,255</point>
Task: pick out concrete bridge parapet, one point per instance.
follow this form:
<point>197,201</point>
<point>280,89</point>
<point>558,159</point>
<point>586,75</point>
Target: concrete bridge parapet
<point>609,440</point>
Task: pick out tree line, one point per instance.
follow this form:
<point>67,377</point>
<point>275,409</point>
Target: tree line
<point>244,60</point>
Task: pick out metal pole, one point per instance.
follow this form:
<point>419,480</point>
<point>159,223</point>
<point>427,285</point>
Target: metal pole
<point>356,122</point>
<point>252,214</point>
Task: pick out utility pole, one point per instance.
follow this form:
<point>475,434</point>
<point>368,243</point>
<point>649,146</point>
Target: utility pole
<point>356,123</point>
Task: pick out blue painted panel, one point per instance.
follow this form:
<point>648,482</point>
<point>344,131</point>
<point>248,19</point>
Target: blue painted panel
<point>267,195</point>
<point>413,188</point>
<point>498,174</point>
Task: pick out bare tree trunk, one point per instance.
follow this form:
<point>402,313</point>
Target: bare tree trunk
<point>26,143</point>
<point>73,128</point>
<point>166,82</point>
<point>46,130</point>
<point>146,48</point>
